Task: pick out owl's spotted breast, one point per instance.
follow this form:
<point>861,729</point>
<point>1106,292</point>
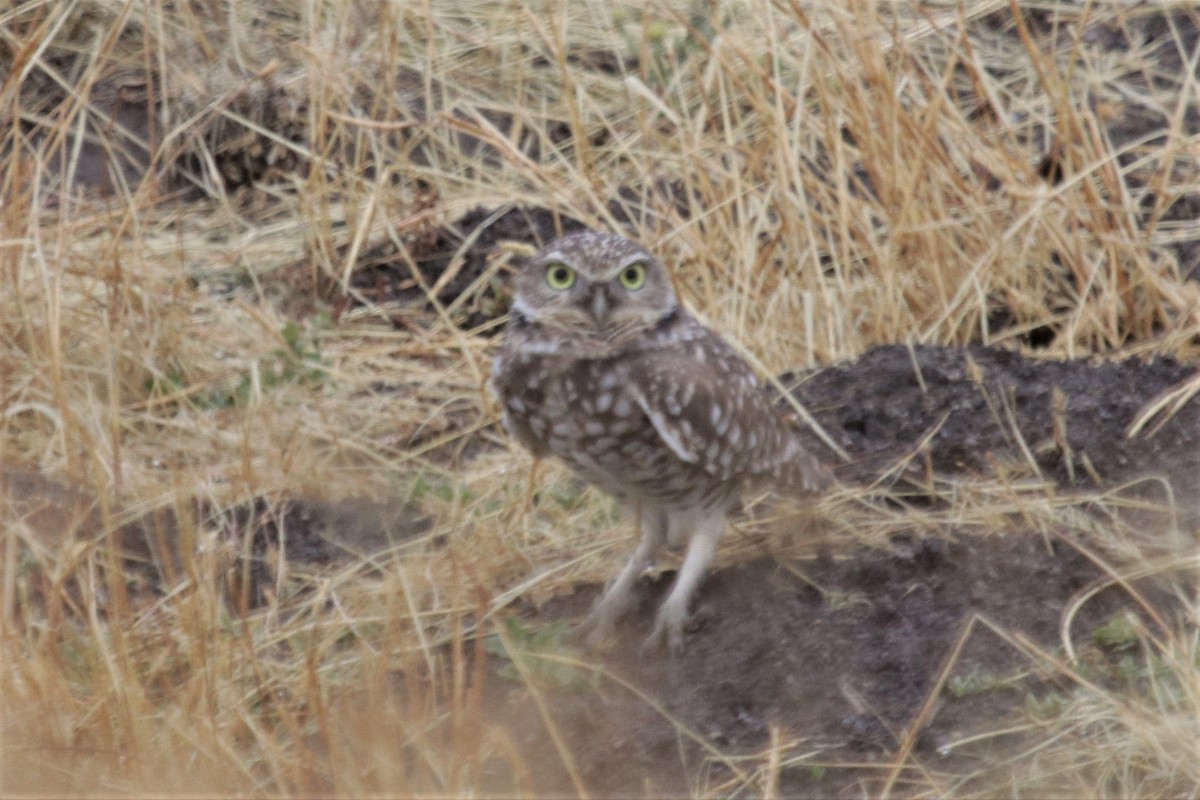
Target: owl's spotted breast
<point>678,418</point>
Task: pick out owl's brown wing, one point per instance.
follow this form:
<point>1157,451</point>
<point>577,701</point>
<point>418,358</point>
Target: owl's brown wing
<point>511,381</point>
<point>709,408</point>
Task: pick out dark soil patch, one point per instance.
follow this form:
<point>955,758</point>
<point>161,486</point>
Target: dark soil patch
<point>447,261</point>
<point>384,275</point>
<point>850,670</point>
<point>985,408</point>
<point>308,535</point>
<point>845,673</point>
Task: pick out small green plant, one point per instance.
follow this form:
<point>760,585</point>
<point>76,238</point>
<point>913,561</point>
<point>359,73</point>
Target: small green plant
<point>670,50</point>
<point>1118,634</point>
<point>977,681</point>
<point>567,494</point>
<point>299,361</point>
<point>840,601</point>
<point>1049,706</point>
<point>169,382</point>
<point>531,645</point>
<point>440,488</point>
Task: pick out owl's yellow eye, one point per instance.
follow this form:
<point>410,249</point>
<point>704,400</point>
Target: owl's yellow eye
<point>560,276</point>
<point>633,277</point>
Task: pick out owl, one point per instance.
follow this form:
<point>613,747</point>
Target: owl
<point>603,368</point>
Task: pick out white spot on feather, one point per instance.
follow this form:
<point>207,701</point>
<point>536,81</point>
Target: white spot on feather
<point>542,347</point>
<point>666,432</point>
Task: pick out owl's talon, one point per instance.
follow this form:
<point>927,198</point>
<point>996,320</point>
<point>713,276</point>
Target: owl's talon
<point>665,631</point>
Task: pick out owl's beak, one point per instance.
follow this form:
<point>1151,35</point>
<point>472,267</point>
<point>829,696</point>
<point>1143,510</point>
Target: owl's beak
<point>599,304</point>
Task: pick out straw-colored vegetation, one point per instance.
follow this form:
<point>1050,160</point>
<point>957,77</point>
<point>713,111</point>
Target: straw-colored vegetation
<point>822,177</point>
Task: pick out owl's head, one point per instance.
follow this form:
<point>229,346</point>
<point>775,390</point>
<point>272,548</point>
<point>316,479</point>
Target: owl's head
<point>594,288</point>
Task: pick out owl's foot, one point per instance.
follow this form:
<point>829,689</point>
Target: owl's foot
<point>668,628</point>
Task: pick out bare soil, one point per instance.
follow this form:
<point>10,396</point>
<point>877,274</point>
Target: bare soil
<point>984,408</point>
<point>848,670</point>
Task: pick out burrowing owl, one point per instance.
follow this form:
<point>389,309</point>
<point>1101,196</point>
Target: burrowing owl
<point>602,367</point>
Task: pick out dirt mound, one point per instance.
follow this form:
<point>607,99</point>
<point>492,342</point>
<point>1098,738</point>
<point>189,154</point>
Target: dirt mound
<point>845,672</point>
<point>985,408</point>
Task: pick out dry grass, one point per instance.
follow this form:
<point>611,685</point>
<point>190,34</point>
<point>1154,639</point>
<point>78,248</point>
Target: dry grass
<point>822,177</point>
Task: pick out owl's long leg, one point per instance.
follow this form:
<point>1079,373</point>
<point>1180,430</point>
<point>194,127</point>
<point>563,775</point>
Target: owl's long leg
<point>617,599</point>
<point>673,612</point>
